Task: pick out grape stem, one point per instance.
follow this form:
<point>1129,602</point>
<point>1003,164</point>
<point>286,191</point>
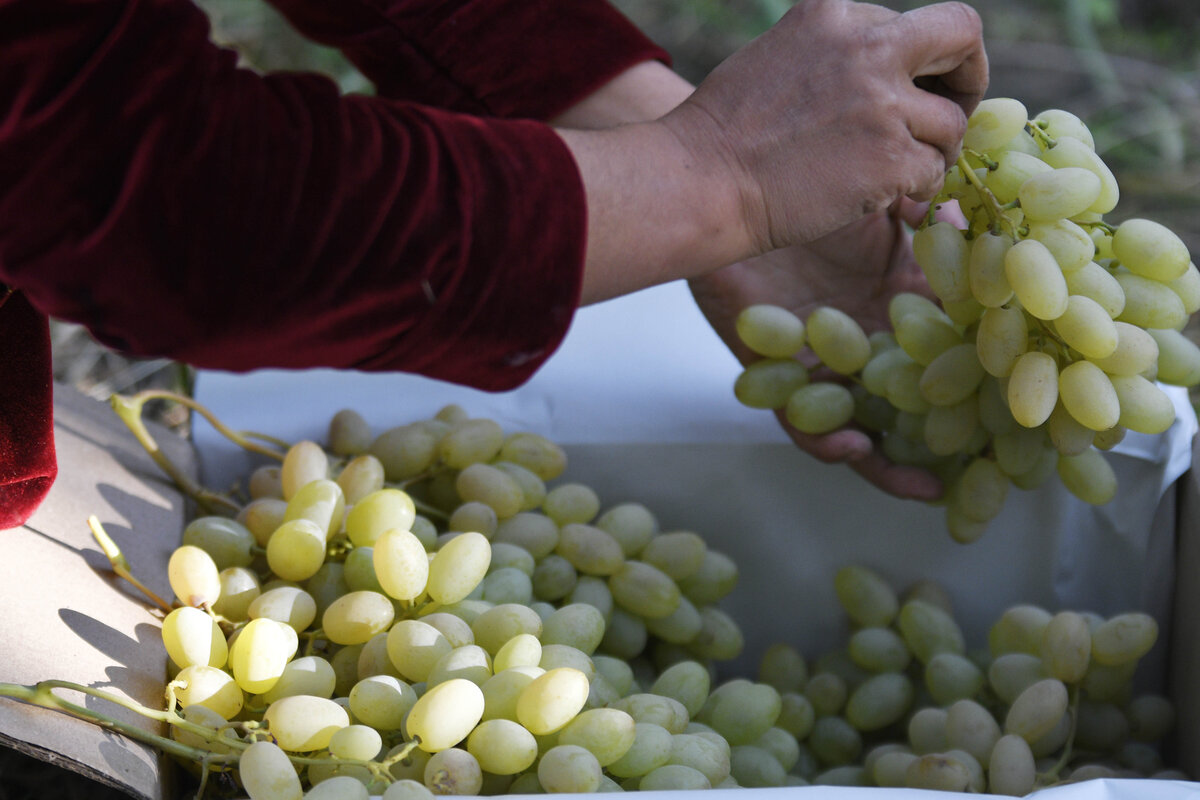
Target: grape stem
<point>991,205</point>
<point>120,564</point>
<point>1051,775</point>
<point>1045,140</point>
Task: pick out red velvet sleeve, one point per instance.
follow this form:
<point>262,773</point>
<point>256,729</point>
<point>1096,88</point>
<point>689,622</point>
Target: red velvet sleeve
<point>507,58</point>
<point>177,205</point>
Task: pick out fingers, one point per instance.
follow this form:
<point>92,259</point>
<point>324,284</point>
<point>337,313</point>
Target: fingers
<point>857,450</point>
<point>945,40</point>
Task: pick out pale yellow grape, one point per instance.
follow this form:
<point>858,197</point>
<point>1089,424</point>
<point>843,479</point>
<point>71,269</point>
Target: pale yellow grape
<point>948,429</point>
<point>321,502</point>
<point>472,516</point>
<point>1058,123</point>
<point>327,584</point>
<point>458,567</point>
<point>1020,628</point>
<point>1136,352</point>
<point>769,383</point>
<point>938,772</point>
<point>536,453</point>
<point>1062,192</point>
<point>1070,244</point>
<point>1033,388</point>
<point>994,416</point>
<point>357,616</point>
<point>688,682</point>
<point>593,591</point>
<point>905,303</point>
<point>924,337</point>
<point>1066,646</point>
<point>631,524</point>
<point>226,540</point>
<point>985,269</point>
<point>453,771</point>
<point>469,661</point>
<point>838,340</point>
<point>502,747</point>
<point>1036,279</point>
<point>304,462</point>
<point>1071,152</point>
<point>311,675</point>
<point>302,723</point>
<point>589,549</point>
<point>1187,286</point>
<point>414,647</point>
<point>1150,249</point>
<point>1011,673</point>
<point>970,727</point>
<point>349,434</point>
<point>532,487</point>
<point>380,511</point>
<point>569,768</point>
<point>950,677</point>
<point>262,516</point>
<point>536,533</point>
<point>1037,710</point>
<point>503,689</point>
<point>1124,638</point>
<point>1178,358</point>
<point>260,652</point>
<point>497,625</point>
<point>770,330</point>
<point>820,408</point>
<point>607,733</point>
<point>487,484</point>
<point>193,576</point>
<point>904,388</point>
<point>192,636</point>
<point>1086,326</point>
<point>1068,435</point>
<point>1094,281</point>
<point>994,122</point>
<point>552,700</point>
<point>239,588</point>
<point>405,451</point>
<point>1088,476</point>
<point>952,377</point>
<point>445,714</point>
<point>942,253</point>
<point>338,787</point>
<point>296,550</point>
<point>1088,395</point>
<point>266,482</point>
<point>470,441</point>
<point>213,688</point>
<point>1013,168</point>
<point>290,605</point>
<point>1148,303</point>
<point>359,478</point>
<point>878,370</point>
<point>1144,407</point>
<point>879,701</point>
<point>266,773</point>
<point>929,630</point>
<point>643,589</point>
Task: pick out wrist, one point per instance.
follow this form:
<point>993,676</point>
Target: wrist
<point>644,92</point>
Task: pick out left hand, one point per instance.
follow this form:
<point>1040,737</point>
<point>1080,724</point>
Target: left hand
<point>857,269</point>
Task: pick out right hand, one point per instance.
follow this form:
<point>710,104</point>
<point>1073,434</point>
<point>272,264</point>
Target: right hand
<point>823,118</point>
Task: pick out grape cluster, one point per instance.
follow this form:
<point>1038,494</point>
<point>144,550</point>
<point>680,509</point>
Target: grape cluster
<point>1052,331</point>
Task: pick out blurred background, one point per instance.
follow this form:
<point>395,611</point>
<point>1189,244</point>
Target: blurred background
<point>1129,68</point>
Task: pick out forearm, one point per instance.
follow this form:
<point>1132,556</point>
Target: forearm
<point>644,92</point>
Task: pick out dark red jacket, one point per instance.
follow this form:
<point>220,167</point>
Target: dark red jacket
<point>180,206</point>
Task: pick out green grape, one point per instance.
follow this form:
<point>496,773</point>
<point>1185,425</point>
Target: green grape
<point>1144,407</point>
<point>338,787</point>
<point>1067,434</point>
<point>321,502</point>
<point>705,755</point>
<point>741,710</point>
<point>503,689</point>
<point>1036,279</point>
<point>924,335</point>
<point>827,693</point>
<point>266,482</point>
<point>879,649</point>
<point>491,486</point>
<point>687,682</point>
<point>1088,395</point>
<point>357,616</point>
<point>1062,192</point>
<point>942,253</point>
<point>950,677</point>
<point>834,741</point>
<point>192,637</point>
<point>554,578</point>
<point>470,441</point>
<point>473,516</point>
<point>781,666</point>
<point>904,388</point>
<point>1011,768</point>
<point>359,478</point>
<point>865,596</point>
<point>879,701</point>
<point>1070,244</point>
<point>985,269</point>
<point>569,768</point>
<point>1020,450</point>
<point>876,373</point>
<point>210,687</point>
<point>1094,281</point>
<point>536,453</point>
<point>502,747</point>
<point>1037,710</point>
<point>1151,717</point>
<point>260,652</point>
<point>1187,286</point>
<point>589,549</point>
<point>536,533</point>
<point>262,516</point>
<point>349,433</point>
<point>1013,168</point>
<point>928,630</point>
<point>571,502</point>
<point>1018,630</point>
<point>1150,249</point>
<point>458,567</point>
<point>644,590</point>
<point>1066,646</point>
<point>405,451</point>
<point>593,591</point>
<point>607,733</point>
<point>311,675</point>
<point>578,625</point>
<point>838,340</point>
<point>301,723</point>
<point>1058,123</point>
<point>1086,326</point>
<point>796,715</point>
<point>970,727</point>
<point>266,773</point>
<point>927,730</point>
<point>296,550</point>
<point>820,408</point>
<point>937,771</point>
<point>1071,152</point>
<point>445,715</point>
<point>981,490</point>
<point>533,488</point>
<point>327,584</point>
<point>228,542</point>
<point>631,524</point>
<point>1033,388</point>
<point>378,512</point>
<point>753,767</point>
<point>453,771</point>
<point>414,647</point>
<point>993,123</point>
<point>1136,351</point>
<point>1088,476</point>
<point>769,330</point>
<point>720,637</point>
<point>507,585</point>
<point>1148,303</point>
<point>194,576</point>
<point>1124,638</point>
<point>645,707</point>
<point>952,377</point>
<point>303,463</point>
<point>679,554</point>
<point>1178,358</point>
<point>551,700</point>
<point>290,605</point>
<point>890,768</point>
<point>239,588</point>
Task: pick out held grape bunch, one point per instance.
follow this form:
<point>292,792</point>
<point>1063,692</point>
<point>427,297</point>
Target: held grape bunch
<point>1052,331</point>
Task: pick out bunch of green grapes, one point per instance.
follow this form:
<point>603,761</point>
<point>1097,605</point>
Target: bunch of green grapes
<point>905,702</point>
<point>433,609</point>
<point>1053,330</point>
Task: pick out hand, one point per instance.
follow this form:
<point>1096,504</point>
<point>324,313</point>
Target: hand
<point>856,269</point>
<point>839,110</point>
